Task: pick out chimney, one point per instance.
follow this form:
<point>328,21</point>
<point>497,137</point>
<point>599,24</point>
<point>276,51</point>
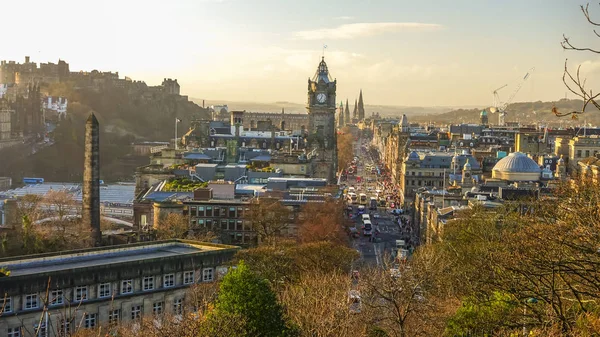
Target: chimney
<point>202,103</point>
<point>91,180</point>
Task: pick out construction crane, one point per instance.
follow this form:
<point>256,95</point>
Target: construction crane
<point>501,108</point>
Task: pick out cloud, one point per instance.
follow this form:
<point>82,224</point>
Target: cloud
<point>355,30</point>
<point>344,18</point>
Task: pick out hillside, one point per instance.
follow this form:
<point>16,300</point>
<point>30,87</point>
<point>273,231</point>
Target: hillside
<point>290,107</point>
<point>523,112</point>
<point>124,119</point>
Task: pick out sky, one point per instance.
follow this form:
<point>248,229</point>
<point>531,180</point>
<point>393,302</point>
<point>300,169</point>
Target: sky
<point>399,52</point>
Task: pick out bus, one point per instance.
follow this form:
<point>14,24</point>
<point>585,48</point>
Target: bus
<point>352,198</point>
<point>363,199</point>
<point>373,203</point>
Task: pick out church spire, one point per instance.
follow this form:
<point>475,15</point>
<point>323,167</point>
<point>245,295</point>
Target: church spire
<point>361,107</point>
<point>355,112</point>
<point>341,115</point>
<point>347,113</point>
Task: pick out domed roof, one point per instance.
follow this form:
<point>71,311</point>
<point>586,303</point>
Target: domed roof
<point>517,162</point>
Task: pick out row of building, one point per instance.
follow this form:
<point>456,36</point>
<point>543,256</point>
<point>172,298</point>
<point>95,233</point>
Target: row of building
<point>440,170</point>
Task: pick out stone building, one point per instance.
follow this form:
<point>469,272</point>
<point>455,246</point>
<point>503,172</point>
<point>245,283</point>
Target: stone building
<point>281,121</point>
<point>322,137</point>
<point>582,147</point>
<point>53,293</point>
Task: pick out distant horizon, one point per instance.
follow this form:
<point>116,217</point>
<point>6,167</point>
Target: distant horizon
<point>400,52</point>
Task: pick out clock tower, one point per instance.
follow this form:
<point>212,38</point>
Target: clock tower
<point>322,137</point>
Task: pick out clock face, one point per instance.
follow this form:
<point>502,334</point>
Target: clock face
<point>321,98</point>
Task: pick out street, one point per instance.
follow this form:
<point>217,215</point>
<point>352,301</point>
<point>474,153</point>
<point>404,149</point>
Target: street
<point>380,248</point>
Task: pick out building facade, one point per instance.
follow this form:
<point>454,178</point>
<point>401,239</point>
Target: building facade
<point>52,294</point>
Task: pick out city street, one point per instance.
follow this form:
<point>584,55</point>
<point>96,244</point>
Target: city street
<point>382,244</point>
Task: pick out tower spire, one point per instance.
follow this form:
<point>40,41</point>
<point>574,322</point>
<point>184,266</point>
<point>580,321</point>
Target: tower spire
<point>361,107</point>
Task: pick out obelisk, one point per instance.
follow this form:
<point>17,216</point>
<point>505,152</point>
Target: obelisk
<point>91,180</point>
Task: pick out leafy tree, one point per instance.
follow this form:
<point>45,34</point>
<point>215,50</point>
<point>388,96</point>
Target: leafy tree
<point>476,317</point>
<point>246,294</point>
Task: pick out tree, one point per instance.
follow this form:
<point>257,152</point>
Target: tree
<point>269,219</point>
<point>573,81</point>
<point>245,294</point>
<point>172,226</point>
<point>322,222</point>
<point>318,304</point>
<point>345,146</point>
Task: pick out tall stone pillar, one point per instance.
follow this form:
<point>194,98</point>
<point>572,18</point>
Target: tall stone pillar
<point>91,180</point>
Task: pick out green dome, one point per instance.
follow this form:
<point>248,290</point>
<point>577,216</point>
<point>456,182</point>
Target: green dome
<point>483,113</point>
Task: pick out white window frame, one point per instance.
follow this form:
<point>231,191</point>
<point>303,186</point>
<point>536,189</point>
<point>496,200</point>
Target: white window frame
<point>42,329</point>
<point>57,297</point>
<point>29,301</point>
<point>168,280</point>
<point>148,283</point>
<point>81,293</point>
<point>208,275</point>
<point>90,320</point>
<point>114,316</point>
<point>104,290</point>
<point>189,277</point>
<point>157,308</point>
<point>6,304</point>
<point>178,306</point>
<point>136,312</point>
<point>65,328</point>
<point>126,285</point>
<point>14,332</point>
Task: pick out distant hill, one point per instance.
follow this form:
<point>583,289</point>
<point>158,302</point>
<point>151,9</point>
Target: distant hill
<point>384,110</point>
<point>523,112</point>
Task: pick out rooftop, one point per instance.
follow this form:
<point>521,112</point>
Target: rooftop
<point>114,255</point>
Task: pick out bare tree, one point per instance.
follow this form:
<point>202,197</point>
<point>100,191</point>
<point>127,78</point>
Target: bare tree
<point>269,219</point>
<point>573,80</point>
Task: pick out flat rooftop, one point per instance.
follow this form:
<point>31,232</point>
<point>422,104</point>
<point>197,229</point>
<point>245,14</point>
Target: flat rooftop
<point>86,258</point>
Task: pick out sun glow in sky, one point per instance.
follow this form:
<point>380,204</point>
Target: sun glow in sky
<point>400,52</point>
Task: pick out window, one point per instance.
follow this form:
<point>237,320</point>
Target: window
<point>239,225</point>
<point>114,316</point>
<point>224,225</point>
<point>232,212</point>
<point>207,274</point>
<point>65,328</point>
<point>178,306</point>
<point>169,280</point>
<point>126,286</point>
<point>148,283</point>
<point>240,212</point>
<point>200,211</point>
<point>209,211</point>
<point>231,225</point>
<point>6,304</point>
<point>81,293</point>
<point>188,277</point>
<point>136,312</point>
<point>56,297</point>
<point>89,321</point>
<point>31,301</point>
<point>578,153</point>
<point>40,330</point>
<point>14,332</point>
<point>104,290</point>
<point>209,223</point>
<point>157,308</point>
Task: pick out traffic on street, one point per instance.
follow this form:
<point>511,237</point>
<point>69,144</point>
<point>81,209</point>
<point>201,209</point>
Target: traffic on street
<point>380,228</point>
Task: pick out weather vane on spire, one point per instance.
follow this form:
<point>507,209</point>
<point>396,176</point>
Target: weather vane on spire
<point>324,47</point>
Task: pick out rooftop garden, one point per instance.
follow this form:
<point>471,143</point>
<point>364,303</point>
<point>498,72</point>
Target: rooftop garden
<point>183,185</point>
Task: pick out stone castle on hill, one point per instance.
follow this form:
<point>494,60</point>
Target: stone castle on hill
<point>24,109</point>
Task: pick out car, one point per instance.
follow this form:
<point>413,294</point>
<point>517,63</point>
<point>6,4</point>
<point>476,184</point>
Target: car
<point>376,216</point>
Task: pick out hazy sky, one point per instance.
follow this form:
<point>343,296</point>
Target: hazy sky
<point>401,52</point>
